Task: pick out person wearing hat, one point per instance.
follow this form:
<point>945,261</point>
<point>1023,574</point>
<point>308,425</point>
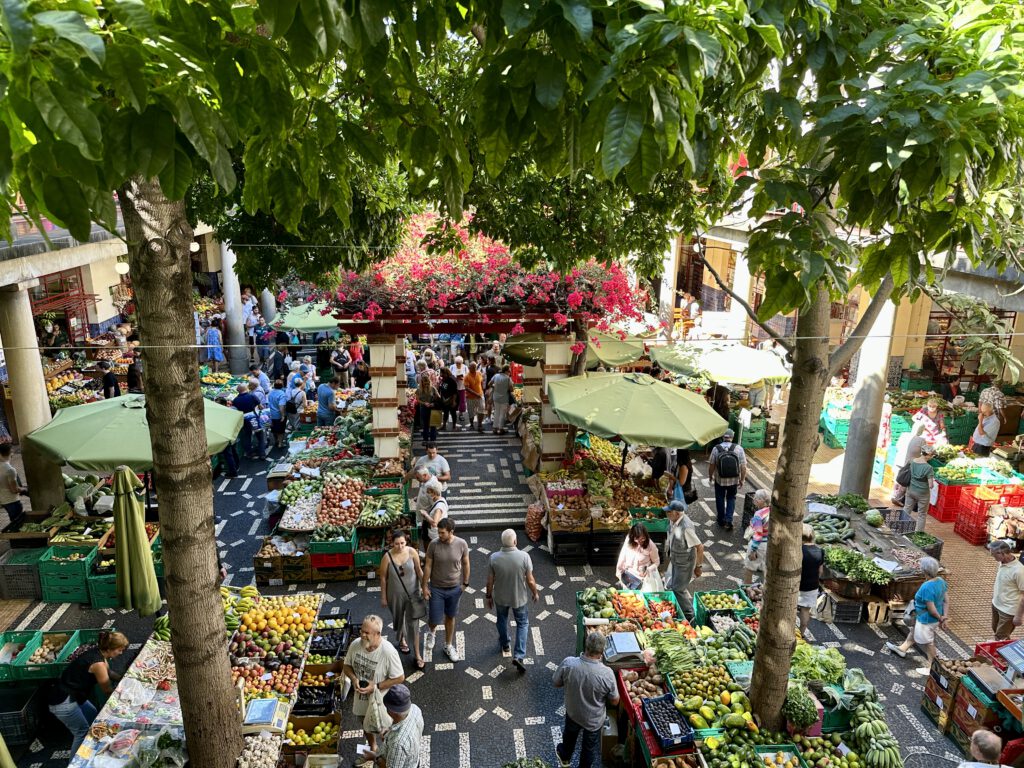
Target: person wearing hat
<point>684,553</point>
<point>371,662</point>
<point>727,468</point>
<point>401,743</point>
<point>1008,590</point>
<point>919,489</point>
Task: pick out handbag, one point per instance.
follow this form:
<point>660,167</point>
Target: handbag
<point>903,476</point>
<point>417,605</point>
<point>436,418</point>
<point>690,496</point>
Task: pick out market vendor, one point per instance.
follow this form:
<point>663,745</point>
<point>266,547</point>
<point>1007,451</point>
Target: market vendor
<point>684,553</point>
<point>86,668</point>
<point>933,420</point>
<point>52,339</point>
<point>987,431</point>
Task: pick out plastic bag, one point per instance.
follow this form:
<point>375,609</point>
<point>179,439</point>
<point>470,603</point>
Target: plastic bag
<point>637,467</point>
<point>377,719</point>
<point>933,494</point>
<point>653,581</point>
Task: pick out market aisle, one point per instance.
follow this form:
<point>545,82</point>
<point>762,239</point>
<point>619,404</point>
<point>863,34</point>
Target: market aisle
<point>488,490</point>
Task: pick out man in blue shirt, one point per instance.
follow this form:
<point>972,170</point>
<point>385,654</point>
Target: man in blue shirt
<point>261,377</point>
<point>276,405</point>
<point>326,409</point>
<point>248,404</point>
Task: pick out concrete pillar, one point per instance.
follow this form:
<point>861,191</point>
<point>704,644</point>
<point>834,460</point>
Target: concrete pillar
<point>268,305</point>
<point>384,388</point>
<point>667,288</point>
<point>28,392</point>
<point>741,285</point>
<point>402,381</point>
<point>234,331</point>
<point>869,398</point>
<point>533,380</point>
<point>557,361</point>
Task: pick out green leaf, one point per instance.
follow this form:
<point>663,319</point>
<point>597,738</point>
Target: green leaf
<point>69,119</point>
<point>70,26</point>
<point>364,143</point>
<point>321,18</point>
<point>666,117</point>
<point>782,293</point>
<point>771,38</point>
<point>135,15</point>
<point>6,158</point>
<point>152,137</point>
<point>518,15</point>
<point>279,15</point>
<point>710,49</point>
<point>577,13</point>
<point>196,121</point>
<point>652,5</point>
<point>641,172</point>
<point>176,176</point>
<point>622,130</point>
<point>16,25</point>
<point>126,66</point>
<point>66,204</point>
<point>550,83</point>
<point>372,12</point>
<point>954,159</point>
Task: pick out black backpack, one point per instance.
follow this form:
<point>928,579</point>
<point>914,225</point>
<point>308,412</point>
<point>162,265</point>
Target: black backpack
<point>727,465</point>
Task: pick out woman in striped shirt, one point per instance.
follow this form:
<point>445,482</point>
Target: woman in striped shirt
<point>754,561</point>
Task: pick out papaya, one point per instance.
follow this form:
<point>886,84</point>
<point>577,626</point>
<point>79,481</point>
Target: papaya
<point>693,703</point>
<point>734,721</point>
<point>707,713</point>
<point>741,698</point>
<point>726,698</point>
<point>698,722</point>
<point>737,708</point>
<point>734,688</point>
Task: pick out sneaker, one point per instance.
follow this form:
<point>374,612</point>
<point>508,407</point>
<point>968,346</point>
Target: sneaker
<point>428,640</point>
<point>893,648</point>
<point>519,664</point>
<point>506,652</point>
<point>923,671</point>
<point>561,760</point>
<point>449,651</point>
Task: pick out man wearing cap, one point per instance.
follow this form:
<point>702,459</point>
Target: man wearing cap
<point>1008,591</point>
<point>727,468</point>
<point>401,743</point>
<point>684,553</point>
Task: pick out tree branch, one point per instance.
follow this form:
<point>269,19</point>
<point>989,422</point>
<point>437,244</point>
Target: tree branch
<point>786,345</point>
<point>846,350</point>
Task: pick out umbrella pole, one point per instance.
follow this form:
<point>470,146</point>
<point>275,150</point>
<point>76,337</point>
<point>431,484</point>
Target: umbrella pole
<point>622,469</point>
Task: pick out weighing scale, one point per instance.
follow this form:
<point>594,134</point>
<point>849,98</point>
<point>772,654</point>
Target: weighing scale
<point>622,646</point>
<point>266,715</point>
<point>1014,656</point>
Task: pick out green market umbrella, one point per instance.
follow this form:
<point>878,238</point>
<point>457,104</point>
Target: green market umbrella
<point>308,318</point>
<point>102,436</point>
<point>636,407</point>
<point>136,576</point>
<point>611,349</point>
<point>735,364</point>
<point>525,349</point>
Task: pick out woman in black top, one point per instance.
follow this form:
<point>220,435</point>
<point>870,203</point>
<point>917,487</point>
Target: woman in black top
<point>111,386</point>
<point>361,375</point>
<point>449,391</point>
<point>87,668</point>
<point>134,379</point>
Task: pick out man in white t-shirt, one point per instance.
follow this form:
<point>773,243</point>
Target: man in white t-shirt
<point>371,662</point>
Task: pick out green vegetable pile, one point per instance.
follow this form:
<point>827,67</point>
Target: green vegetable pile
<point>798,708</point>
<point>829,529</point>
<point>331,533</point>
<point>673,652</point>
<point>922,539</point>
<point>813,663</point>
<point>847,500</point>
<point>381,511</point>
<point>856,566</point>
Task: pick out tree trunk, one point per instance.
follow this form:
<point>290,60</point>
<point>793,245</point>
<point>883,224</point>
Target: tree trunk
<point>158,237</point>
<point>776,638</point>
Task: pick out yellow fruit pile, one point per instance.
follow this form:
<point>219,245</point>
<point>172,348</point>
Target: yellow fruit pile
<point>52,385</point>
<point>323,733</point>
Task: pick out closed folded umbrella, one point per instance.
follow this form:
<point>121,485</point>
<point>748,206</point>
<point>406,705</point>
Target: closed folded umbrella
<point>637,408</point>
<point>136,574</point>
<point>102,436</point>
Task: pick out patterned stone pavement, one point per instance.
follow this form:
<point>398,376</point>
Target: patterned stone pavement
<point>479,711</point>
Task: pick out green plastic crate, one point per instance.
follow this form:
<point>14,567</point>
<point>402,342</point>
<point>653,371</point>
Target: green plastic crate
<point>658,525</point>
<point>334,547</point>
<point>7,659</point>
<point>751,440</point>
<point>23,670</point>
<point>700,612</point>
<point>103,591</point>
<point>668,597</point>
<point>770,749</point>
<point>834,441</point>
<point>65,594</point>
<point>60,569</point>
<point>365,559</point>
<point>836,720</point>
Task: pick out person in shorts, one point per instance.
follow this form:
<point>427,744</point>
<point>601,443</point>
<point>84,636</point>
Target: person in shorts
<point>445,576</point>
<point>929,612</point>
<point>810,578</point>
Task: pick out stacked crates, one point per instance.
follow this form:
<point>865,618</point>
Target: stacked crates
<point>64,573</point>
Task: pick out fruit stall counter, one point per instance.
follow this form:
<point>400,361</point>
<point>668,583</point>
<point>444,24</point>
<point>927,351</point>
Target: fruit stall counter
<point>684,702</point>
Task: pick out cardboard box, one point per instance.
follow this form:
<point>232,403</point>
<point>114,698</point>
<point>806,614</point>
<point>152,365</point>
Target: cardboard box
<point>972,713</point>
<point>937,704</point>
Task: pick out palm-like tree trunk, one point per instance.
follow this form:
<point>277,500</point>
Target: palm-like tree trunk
<point>159,236</point>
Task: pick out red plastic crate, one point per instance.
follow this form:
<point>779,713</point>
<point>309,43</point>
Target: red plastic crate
<point>946,509</point>
<point>1013,496</point>
<point>972,531</point>
<point>335,560</point>
<point>974,508</point>
<point>988,651</point>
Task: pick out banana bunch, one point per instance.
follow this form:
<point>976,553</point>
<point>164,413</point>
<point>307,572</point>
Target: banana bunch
<point>162,628</point>
<point>883,752</point>
<point>872,738</point>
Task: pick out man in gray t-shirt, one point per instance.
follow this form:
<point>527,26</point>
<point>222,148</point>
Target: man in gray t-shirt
<point>445,575</point>
<point>589,688</point>
<point>509,585</point>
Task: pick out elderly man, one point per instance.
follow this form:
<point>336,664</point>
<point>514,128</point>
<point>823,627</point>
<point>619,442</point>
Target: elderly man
<point>371,663</point>
<point>589,688</point>
<point>426,467</point>
<point>684,553</point>
<point>510,583</point>
<point>986,748</point>
<point>401,747</point>
<point>1008,591</point>
<point>727,468</point>
<point>445,576</point>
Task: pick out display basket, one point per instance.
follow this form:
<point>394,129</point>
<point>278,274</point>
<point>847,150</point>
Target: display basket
<point>653,518</point>
<point>790,750</point>
<point>338,546</point>
<point>972,531</point>
<point>51,567</point>
<point>20,712</point>
<point>19,574</point>
<point>27,670</point>
<point>989,652</point>
<point>661,713</point>
<point>701,612</point>
<point>11,646</point>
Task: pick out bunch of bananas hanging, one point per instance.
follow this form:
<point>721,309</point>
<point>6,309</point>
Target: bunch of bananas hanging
<point>162,628</point>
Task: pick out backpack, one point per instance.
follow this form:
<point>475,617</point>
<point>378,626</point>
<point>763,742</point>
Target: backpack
<point>727,465</point>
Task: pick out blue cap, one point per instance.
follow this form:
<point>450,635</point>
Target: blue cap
<point>675,506</point>
<point>304,368</point>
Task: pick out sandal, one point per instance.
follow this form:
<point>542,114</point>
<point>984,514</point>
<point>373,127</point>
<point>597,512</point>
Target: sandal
<point>404,648</point>
<point>421,664</point>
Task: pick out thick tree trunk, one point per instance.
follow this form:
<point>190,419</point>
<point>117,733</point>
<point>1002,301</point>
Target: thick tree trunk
<point>158,236</point>
<point>776,638</point>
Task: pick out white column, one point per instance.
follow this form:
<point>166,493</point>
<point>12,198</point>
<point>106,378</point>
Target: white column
<point>556,365</point>
<point>401,381</point>
<point>234,331</point>
<point>667,289</point>
<point>384,387</point>
<point>28,392</point>
<point>741,285</point>
<point>268,305</point>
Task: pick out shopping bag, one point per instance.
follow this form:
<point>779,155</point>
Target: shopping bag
<point>377,719</point>
<point>436,418</point>
<point>653,581</point>
<point>933,494</point>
